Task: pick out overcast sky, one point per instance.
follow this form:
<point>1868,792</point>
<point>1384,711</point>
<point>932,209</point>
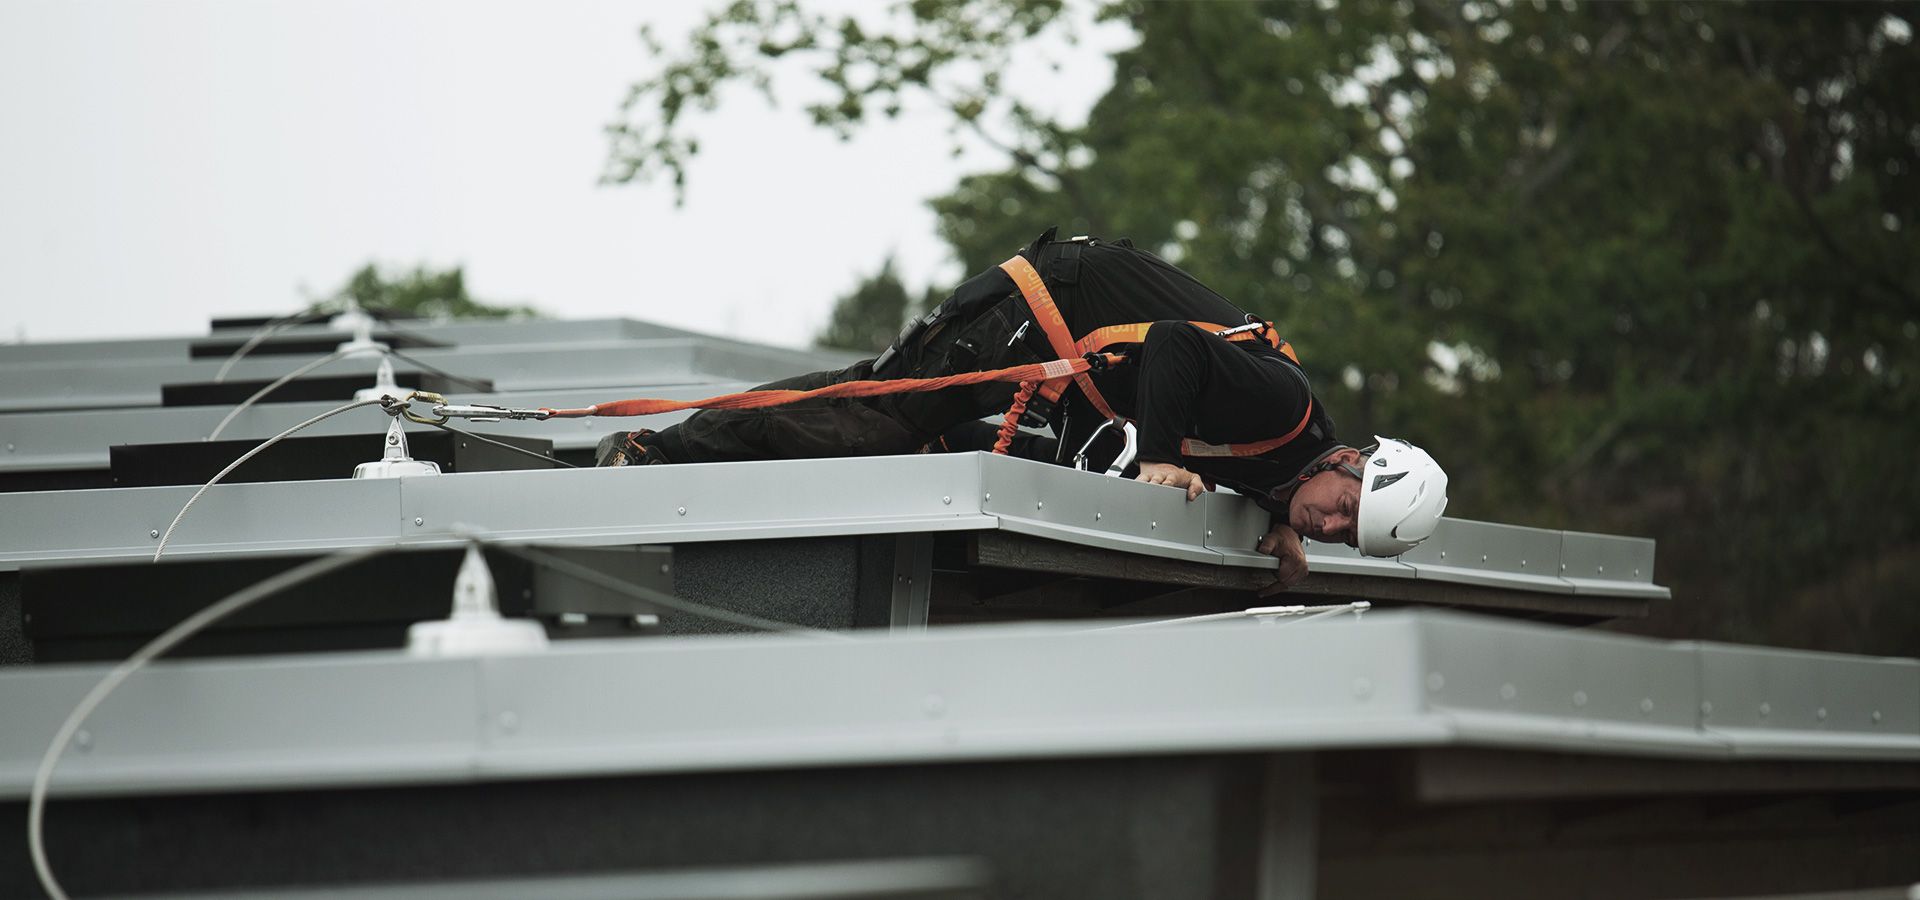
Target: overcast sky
<point>163,163</point>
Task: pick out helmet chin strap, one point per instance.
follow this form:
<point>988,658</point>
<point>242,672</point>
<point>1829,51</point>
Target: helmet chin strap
<point>1321,463</point>
<point>1284,493</point>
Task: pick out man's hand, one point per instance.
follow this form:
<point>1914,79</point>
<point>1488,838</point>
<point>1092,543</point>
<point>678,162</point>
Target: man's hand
<point>1283,544</point>
<point>1168,473</point>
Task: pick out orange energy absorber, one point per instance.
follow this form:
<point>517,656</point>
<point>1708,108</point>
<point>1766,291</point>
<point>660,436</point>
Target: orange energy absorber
<point>1047,371</point>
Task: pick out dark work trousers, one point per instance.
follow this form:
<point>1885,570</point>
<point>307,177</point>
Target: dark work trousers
<point>971,331</point>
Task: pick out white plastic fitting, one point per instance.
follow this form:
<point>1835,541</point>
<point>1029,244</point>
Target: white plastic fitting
<point>395,463</point>
<point>383,384</point>
<point>475,628</point>
<point>356,321</point>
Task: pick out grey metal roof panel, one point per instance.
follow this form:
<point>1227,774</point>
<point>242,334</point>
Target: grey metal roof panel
<point>555,366</point>
<point>1769,700</point>
<point>585,708</point>
<point>696,502</point>
<point>80,439</point>
<point>462,332</point>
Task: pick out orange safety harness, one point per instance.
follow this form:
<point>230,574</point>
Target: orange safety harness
<point>1054,325</point>
<point>1034,372</point>
<point>1046,379</point>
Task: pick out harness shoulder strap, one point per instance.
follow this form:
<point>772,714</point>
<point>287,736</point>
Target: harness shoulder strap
<point>1102,338</point>
<point>1054,326</point>
<point>1034,289</point>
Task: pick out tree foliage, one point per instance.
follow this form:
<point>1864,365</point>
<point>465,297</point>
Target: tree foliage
<point>1646,267</point>
<point>868,318</point>
<point>423,292</point>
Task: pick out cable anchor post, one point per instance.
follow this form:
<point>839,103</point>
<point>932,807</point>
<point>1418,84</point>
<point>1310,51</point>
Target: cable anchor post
<point>394,462</point>
<point>475,626</point>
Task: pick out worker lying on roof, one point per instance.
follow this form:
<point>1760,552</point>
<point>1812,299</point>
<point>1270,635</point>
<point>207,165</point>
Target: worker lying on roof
<point>1235,409</point>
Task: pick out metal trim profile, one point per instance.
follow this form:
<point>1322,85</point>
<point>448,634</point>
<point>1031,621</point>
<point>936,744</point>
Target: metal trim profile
<point>772,499</point>
<point>518,367</point>
<point>79,439</point>
<point>1401,679</point>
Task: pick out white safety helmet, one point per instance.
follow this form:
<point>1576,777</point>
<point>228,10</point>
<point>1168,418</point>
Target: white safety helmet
<point>1402,494</point>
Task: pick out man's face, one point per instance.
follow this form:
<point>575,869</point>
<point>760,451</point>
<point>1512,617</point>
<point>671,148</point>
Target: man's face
<point>1324,508</point>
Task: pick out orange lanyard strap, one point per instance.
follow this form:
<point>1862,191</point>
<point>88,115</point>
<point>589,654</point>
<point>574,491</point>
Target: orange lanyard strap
<point>762,399</point>
<point>1136,333</point>
<point>1193,447</point>
<point>1054,326</point>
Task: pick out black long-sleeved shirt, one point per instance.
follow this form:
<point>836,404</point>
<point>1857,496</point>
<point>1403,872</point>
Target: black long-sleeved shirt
<point>1183,381</point>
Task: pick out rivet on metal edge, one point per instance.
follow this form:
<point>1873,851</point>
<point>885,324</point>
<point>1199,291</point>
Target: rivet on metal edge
<point>1483,557</point>
<point>1820,714</point>
<point>1209,532</point>
<point>1443,554</point>
<point>1153,524</point>
<point>682,510</point>
<point>419,521</point>
<point>1096,517</point>
<point>1646,706</point>
<point>1876,717</point>
<point>1523,564</point>
<point>1766,709</point>
<point>947,500</point>
<point>1039,504</point>
<point>989,496</point>
<point>154,533</point>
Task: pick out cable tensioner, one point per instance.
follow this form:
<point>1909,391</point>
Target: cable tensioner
<point>444,412</point>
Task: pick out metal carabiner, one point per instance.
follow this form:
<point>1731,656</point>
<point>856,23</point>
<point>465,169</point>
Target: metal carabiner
<point>1128,451</point>
<point>403,406</point>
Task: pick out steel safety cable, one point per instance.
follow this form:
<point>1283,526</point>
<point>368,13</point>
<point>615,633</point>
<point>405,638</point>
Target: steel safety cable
<point>271,328</point>
<point>503,445</point>
<point>172,637</point>
<point>660,598</point>
<point>274,386</point>
<point>249,455</point>
<point>470,382</point>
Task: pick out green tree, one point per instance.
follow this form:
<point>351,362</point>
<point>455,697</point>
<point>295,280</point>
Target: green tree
<point>421,291</point>
<point>1641,267</point>
<point>868,318</point>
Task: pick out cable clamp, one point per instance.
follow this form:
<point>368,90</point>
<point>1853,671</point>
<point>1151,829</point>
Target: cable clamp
<point>403,406</point>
